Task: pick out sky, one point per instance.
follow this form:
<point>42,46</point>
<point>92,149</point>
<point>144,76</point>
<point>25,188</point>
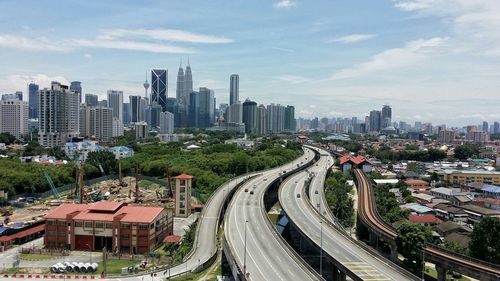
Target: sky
<point>432,60</point>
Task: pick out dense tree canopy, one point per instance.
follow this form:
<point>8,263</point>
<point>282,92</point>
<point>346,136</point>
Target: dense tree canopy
<point>463,152</point>
<point>387,155</point>
<point>484,243</point>
<point>339,199</point>
<point>7,138</point>
<point>411,239</point>
<point>387,204</point>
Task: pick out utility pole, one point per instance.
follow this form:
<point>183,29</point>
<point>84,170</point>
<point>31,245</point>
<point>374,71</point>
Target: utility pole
<point>245,254</point>
<point>321,249</point>
<point>137,171</point>
<point>80,182</point>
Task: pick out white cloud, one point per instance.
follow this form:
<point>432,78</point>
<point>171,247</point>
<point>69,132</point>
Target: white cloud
<point>475,24</point>
<point>285,4</point>
<point>87,56</point>
<point>18,82</point>
<point>172,35</point>
<point>353,38</point>
<point>292,79</point>
<point>412,53</point>
<point>31,44</point>
<point>133,45</point>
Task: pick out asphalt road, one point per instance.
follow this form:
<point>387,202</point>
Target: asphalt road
<point>335,244</point>
<point>267,255</point>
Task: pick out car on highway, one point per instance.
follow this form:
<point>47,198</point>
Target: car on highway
<point>265,179</point>
<point>246,189</point>
<point>254,186</point>
<point>251,192</point>
<point>315,192</point>
<point>298,195</point>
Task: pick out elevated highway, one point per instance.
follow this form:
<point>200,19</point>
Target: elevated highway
<point>349,257</point>
<point>444,260</point>
<point>252,246</point>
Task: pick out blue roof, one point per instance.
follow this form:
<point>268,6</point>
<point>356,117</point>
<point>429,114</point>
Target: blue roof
<point>3,229</point>
<point>491,188</point>
<point>417,208</point>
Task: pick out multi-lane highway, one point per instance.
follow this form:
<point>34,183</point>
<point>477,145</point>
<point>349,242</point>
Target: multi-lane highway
<point>354,260</point>
<point>256,247</point>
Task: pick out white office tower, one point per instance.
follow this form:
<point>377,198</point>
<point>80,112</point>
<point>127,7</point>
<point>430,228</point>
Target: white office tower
<point>14,117</point>
<point>117,128</point>
<point>275,118</point>
<point>58,115</point>
<point>166,123</point>
<point>235,113</point>
<point>261,128</point>
<point>101,119</point>
<point>115,102</point>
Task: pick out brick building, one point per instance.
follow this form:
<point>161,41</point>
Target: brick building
<point>117,226</point>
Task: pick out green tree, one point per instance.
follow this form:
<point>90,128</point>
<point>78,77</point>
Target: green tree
<point>484,243</point>
<point>106,159</point>
<point>463,152</point>
<point>411,239</point>
<point>7,138</point>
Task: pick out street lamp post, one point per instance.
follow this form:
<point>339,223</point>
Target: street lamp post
<point>423,261</point>
<point>90,252</point>
<point>245,252</point>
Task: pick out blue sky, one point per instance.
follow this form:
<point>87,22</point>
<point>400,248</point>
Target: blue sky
<point>431,60</point>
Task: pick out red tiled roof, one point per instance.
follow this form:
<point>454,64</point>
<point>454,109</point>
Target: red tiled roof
<point>427,218</point>
<point>356,160</point>
<point>416,182</point>
<point>183,177</point>
<point>197,206</point>
<point>106,206</point>
<point>138,214</point>
<point>64,209</point>
<point>172,239</point>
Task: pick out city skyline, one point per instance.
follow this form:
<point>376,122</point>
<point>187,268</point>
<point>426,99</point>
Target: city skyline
<point>428,61</point>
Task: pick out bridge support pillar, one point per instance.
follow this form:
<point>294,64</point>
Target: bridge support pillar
<point>394,251</point>
<point>338,275</point>
<point>441,273</point>
<point>373,238</point>
<point>342,276</point>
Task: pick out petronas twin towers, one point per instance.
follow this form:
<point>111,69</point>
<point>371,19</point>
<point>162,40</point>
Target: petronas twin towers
<point>184,86</point>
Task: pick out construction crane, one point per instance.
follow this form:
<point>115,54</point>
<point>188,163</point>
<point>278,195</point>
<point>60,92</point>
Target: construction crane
<point>52,186</point>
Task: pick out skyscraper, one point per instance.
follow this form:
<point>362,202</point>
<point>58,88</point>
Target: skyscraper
<point>193,109</point>
<point>188,82</point>
<point>91,100</point>
<point>126,113</point>
<point>386,117</point>
<point>96,122</point>
<point>115,102</point>
<point>14,117</point>
<point>58,116</point>
<point>155,111</point>
<point>290,119</point>
<point>235,113</point>
<point>33,100</point>
<point>135,109</point>
<point>76,86</point>
<point>179,91</point>
<point>206,114</point>
<point>234,89</point>
<point>375,121</point>
<point>485,126</point>
<point>159,87</point>
<point>275,118</point>
<point>496,128</point>
<point>250,116</point>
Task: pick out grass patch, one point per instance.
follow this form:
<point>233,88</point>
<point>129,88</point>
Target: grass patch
<point>147,184</point>
<point>115,266</point>
<point>34,257</point>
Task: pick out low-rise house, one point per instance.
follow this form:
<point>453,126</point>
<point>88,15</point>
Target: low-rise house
<point>489,190</point>
<point>423,198</point>
<point>417,185</point>
<point>448,227</point>
<point>476,213</point>
<point>417,208</point>
<point>348,162</point>
<point>451,213</point>
<point>426,219</point>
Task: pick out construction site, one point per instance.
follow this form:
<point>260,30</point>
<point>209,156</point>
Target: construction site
<point>131,189</point>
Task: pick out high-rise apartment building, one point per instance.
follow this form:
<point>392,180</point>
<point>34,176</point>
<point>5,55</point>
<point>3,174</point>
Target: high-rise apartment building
<point>76,87</point>
<point>250,116</point>
<point>91,100</point>
<point>478,137</point>
<point>96,122</point>
<point>275,118</point>
<point>261,116</point>
<point>117,128</point>
<point>159,87</point>
<point>115,102</point>
<point>166,125</point>
<point>206,113</point>
<point>485,126</point>
<point>496,128</point>
<point>235,113</point>
<point>14,117</point>
<point>58,115</point>
<point>446,136</point>
<point>33,100</point>
<point>234,89</point>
